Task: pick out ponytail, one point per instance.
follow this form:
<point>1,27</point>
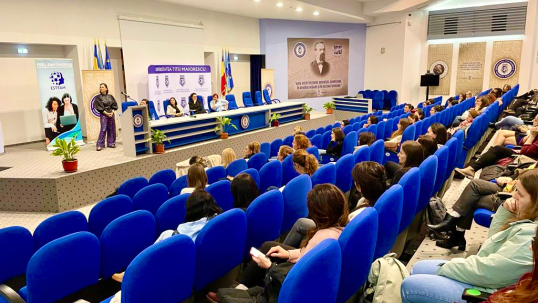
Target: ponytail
<point>306,160</point>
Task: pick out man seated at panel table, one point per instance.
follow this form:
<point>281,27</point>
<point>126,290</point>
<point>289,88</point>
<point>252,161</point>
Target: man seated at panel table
<point>195,106</point>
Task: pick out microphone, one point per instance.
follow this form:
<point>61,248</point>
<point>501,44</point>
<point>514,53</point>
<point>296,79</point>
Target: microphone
<point>125,95</point>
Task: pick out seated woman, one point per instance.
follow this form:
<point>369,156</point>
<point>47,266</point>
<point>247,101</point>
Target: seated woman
<point>196,179</point>
<point>195,106</point>
<point>501,261</point>
<point>506,137</point>
<point>468,94</point>
<point>373,119</point>
<point>283,152</point>
<point>435,109</point>
<point>429,145</point>
<point>411,155</point>
<point>419,114</point>
<point>465,124</point>
<point>336,144</point>
<point>228,156</point>
<point>451,102</point>
<point>327,207</point>
<point>506,88</point>
<point>197,159</point>
<point>304,163</point>
<point>396,136</point>
<point>408,108</point>
<point>244,190</point>
<point>301,142</point>
<point>480,104</point>
<point>365,139</point>
<point>462,97</point>
<point>427,102</point>
<point>251,149</point>
<point>217,104</point>
<point>172,110</point>
<point>297,130</point>
<point>438,132</point>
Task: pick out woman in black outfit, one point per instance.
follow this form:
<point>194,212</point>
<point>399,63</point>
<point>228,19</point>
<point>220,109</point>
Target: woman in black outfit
<point>194,105</point>
<point>106,105</point>
<point>67,108</point>
<point>411,155</point>
<point>336,144</point>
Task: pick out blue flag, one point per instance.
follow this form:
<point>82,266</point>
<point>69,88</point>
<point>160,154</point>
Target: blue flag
<point>107,63</point>
<point>229,76</point>
<point>100,58</point>
<point>226,70</point>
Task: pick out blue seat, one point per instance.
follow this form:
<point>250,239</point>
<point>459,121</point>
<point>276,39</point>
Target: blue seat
<point>62,268</point>
<point>326,139</point>
<point>410,183</point>
<point>171,213</point>
<point>313,150</point>
<point>132,186</point>
<point>264,219</point>
<point>389,209</point>
<point>452,145</point>
<point>212,263</point>
<point>268,99</point>
<point>126,105</point>
<point>209,99</point>
<point>337,125</point>
<point>288,141</point>
<point>222,194</point>
<point>314,278</point>
<point>320,130</point>
<point>311,133</point>
<point>317,141</point>
<point>58,226</point>
<point>150,198</point>
<point>123,239</point>
<point>254,174</point>
<point>378,101</point>
<point>216,173</point>
<point>266,149</point>
<point>235,167</point>
<point>288,171</point>
<point>107,211</point>
<point>328,128</point>
<point>232,103</point>
<point>257,161</point>
<point>357,252</point>
<point>152,111</point>
<point>343,172</point>
<point>295,201</point>
<point>275,147</point>
<point>482,217</point>
<point>165,176</point>
<point>418,129</point>
<point>373,129</point>
<point>258,98</point>
<point>270,175</point>
<point>442,158</point>
<point>459,135</point>
<point>347,129</point>
<point>377,151</point>
<point>408,135</point>
<point>357,126</point>
<point>388,129</point>
<point>325,174</point>
<point>428,173</point>
<point>17,249</point>
<point>350,141</point>
<point>380,129</point>
<point>362,154</point>
<point>180,183</point>
<point>393,97</point>
<point>247,99</point>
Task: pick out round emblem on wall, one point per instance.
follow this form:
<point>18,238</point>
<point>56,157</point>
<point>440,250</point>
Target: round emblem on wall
<point>138,120</point>
<point>269,90</point>
<point>299,49</point>
<point>439,68</point>
<point>92,107</point>
<point>245,122</point>
<point>504,68</point>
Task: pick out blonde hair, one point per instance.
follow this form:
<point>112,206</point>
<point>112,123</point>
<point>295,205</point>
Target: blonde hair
<point>404,122</point>
<point>285,151</point>
<point>254,147</point>
<point>228,156</point>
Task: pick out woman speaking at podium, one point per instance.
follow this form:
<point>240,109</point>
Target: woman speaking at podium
<point>106,105</point>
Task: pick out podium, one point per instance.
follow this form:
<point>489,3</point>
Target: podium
<point>136,131</point>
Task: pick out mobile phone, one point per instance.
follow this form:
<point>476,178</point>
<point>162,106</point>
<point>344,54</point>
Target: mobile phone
<point>256,253</point>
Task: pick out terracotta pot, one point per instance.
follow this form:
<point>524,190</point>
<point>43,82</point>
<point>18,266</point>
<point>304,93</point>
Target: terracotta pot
<point>70,166</point>
<point>224,135</point>
<point>329,111</point>
<point>307,116</point>
<point>275,123</point>
<point>159,148</point>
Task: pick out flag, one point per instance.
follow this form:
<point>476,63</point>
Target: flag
<point>107,63</point>
<point>222,75</point>
<point>230,78</point>
<point>95,56</point>
<point>100,59</point>
<point>226,58</point>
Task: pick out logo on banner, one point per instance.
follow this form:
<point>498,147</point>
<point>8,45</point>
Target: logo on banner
<point>439,68</point>
<point>138,120</point>
<point>57,80</point>
<point>183,102</point>
<point>157,82</point>
<point>299,49</point>
<point>245,121</point>
<point>92,106</point>
<point>201,80</point>
<point>182,80</point>
<point>158,105</point>
<point>269,90</point>
<point>504,68</point>
<point>338,50</point>
<point>166,82</point>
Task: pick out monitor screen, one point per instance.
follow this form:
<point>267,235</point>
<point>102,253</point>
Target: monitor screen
<point>429,80</point>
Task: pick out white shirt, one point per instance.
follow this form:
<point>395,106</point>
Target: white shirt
<point>49,118</point>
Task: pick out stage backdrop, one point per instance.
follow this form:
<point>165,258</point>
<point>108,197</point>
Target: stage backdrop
<point>90,89</point>
<point>440,63</point>
<point>317,67</point>
<point>56,78</point>
<point>268,82</point>
<point>505,61</point>
<point>471,67</point>
<point>178,81</point>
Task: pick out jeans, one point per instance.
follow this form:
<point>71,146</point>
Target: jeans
<point>298,232</point>
<point>423,286</point>
<point>477,194</point>
<point>494,154</point>
<point>508,122</point>
<point>108,129</point>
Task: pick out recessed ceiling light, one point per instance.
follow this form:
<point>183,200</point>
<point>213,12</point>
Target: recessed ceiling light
<point>280,4</point>
<point>299,9</point>
<point>316,13</point>
<point>256,0</point>
<point>236,58</point>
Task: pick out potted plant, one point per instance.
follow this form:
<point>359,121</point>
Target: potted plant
<point>274,119</point>
<point>157,138</point>
<point>307,109</point>
<point>224,123</point>
<point>68,151</point>
<point>329,106</point>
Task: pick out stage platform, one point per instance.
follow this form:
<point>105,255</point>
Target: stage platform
<point>34,180</point>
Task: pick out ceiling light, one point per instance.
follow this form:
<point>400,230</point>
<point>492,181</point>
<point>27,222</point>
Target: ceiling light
<point>236,58</point>
<point>280,4</point>
<point>256,0</point>
<point>299,9</point>
<point>316,13</point>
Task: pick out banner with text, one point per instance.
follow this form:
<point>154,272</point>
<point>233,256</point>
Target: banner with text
<point>268,82</point>
<point>91,79</point>
<point>440,63</point>
<point>505,61</point>
<point>317,67</point>
<point>178,81</point>
<point>472,57</point>
<point>58,100</point>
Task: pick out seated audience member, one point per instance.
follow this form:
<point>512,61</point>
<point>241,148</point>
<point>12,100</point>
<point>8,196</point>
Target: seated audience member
<point>228,156</point>
<point>479,105</point>
<point>283,152</point>
<point>199,160</point>
<point>506,88</point>
<point>451,102</point>
<point>438,132</point>
<point>344,123</point>
<point>506,137</point>
<point>196,179</point>
<point>327,207</point>
<point>194,105</point>
<point>419,113</point>
<point>408,108</point>
<point>503,258</point>
<point>244,190</point>
<point>304,163</point>
<point>411,155</point>
<point>172,109</point>
<point>462,97</point>
<point>396,136</point>
<point>365,139</point>
<point>468,95</point>
<point>427,102</point>
<point>373,119</point>
<point>465,124</point>
<point>218,104</point>
<point>435,109</point>
<point>498,92</point>
<point>336,144</point>
<point>491,97</point>
<point>152,113</point>
<point>300,142</point>
<point>251,149</point>
<point>429,145</point>
<point>297,130</point>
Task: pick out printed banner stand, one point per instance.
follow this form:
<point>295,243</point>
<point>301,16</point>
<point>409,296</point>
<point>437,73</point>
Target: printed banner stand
<point>59,107</point>
<point>90,90</point>
<point>268,82</point>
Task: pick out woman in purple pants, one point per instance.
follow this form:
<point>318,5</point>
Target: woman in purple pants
<point>106,105</point>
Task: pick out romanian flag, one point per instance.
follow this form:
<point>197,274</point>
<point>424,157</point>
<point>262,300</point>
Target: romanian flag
<point>223,75</point>
<point>100,59</point>
<point>95,56</point>
<point>229,71</point>
<point>107,63</point>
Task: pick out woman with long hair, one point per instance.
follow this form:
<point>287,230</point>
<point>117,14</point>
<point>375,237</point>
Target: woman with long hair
<point>373,119</point>
<point>195,106</point>
<point>411,155</point>
<point>429,145</point>
<point>244,190</point>
<point>50,119</point>
<point>336,144</point>
<point>304,163</point>
<point>172,109</point>
<point>438,132</point>
<point>365,139</point>
<point>196,178</point>
<point>370,182</point>
<point>480,105</point>
<point>300,142</point>
<point>419,114</point>
<point>228,156</point>
<point>68,108</point>
<point>105,104</point>
<point>251,149</point>
<point>396,136</point>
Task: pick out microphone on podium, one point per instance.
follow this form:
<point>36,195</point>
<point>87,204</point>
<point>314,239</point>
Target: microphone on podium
<point>125,95</point>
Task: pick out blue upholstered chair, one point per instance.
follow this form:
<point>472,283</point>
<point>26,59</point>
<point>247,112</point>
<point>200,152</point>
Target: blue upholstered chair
<point>380,129</point>
<point>362,154</point>
<point>275,147</point>
<point>216,173</point>
<point>257,161</point>
<point>326,139</point>
<point>150,198</point>
<point>350,141</point>
<point>428,173</point>
<point>378,101</point>
<point>254,174</point>
<point>410,183</point>
<point>165,176</point>
<point>266,149</point>
<point>483,217</point>
<point>343,172</point>
<point>295,201</point>
<point>460,157</point>
<point>347,129</point>
<point>180,183</point>
<point>232,103</point>
<point>377,151</point>
<point>258,98</point>
<point>213,263</point>
<point>264,219</point>
<point>288,141</point>
<point>357,126</point>
<point>268,99</point>
<point>288,171</point>
<point>313,150</point>
<point>59,225</point>
<point>452,145</point>
<point>152,111</point>
<point>222,194</point>
<point>373,129</point>
<point>247,99</point>
<point>132,186</point>
<point>107,211</point>
<point>442,158</point>
<point>325,174</point>
<point>123,239</point>
<point>235,167</point>
<point>320,130</point>
<point>270,175</point>
<point>328,128</point>
<point>418,129</point>
<point>311,133</point>
<point>317,141</point>
<point>388,128</point>
<point>209,99</point>
<point>126,105</point>
<point>389,209</point>
<point>17,249</point>
<point>171,213</point>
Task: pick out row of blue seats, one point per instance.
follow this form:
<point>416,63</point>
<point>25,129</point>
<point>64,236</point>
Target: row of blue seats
<point>381,99</point>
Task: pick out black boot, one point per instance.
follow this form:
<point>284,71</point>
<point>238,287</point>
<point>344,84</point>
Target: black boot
<point>448,224</point>
<point>457,238</point>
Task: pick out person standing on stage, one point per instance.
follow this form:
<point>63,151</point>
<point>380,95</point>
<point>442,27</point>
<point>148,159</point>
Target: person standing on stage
<point>194,105</point>
<point>106,105</point>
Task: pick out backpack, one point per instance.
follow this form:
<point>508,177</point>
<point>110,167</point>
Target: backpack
<point>436,211</point>
<point>384,281</point>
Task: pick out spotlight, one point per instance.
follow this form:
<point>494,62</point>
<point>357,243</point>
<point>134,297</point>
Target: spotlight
<point>316,13</point>
<point>299,9</point>
<point>280,4</point>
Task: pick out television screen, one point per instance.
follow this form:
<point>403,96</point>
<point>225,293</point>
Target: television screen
<point>429,80</point>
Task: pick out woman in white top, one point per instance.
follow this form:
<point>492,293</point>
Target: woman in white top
<point>50,118</point>
<point>196,179</point>
<point>219,105</point>
<point>172,109</point>
<point>396,136</point>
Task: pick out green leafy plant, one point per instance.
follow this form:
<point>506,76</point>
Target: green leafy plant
<point>225,123</point>
<point>157,137</point>
<point>275,117</point>
<point>307,109</point>
<point>65,149</point>
<point>329,105</point>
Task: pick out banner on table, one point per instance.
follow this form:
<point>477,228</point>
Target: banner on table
<point>440,63</point>
<point>91,79</point>
<point>268,82</point>
<point>471,61</point>
<point>505,61</point>
<point>57,82</point>
<point>317,67</point>
<point>178,81</point>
